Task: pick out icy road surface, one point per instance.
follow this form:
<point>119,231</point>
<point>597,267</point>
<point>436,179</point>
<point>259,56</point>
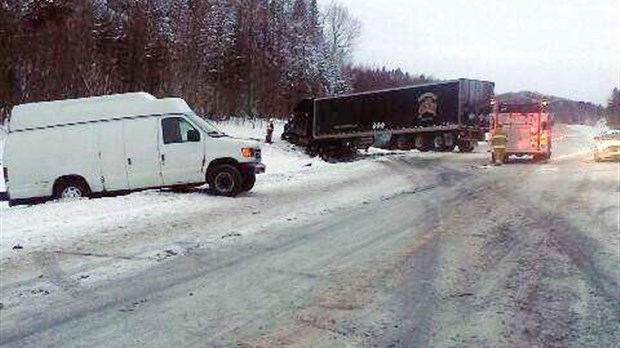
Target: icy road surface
<point>396,250</point>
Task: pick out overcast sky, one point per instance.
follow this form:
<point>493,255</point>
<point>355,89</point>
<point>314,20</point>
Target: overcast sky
<point>568,48</point>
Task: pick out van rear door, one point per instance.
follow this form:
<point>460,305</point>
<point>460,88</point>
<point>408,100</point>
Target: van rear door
<point>142,152</point>
<point>182,152</point>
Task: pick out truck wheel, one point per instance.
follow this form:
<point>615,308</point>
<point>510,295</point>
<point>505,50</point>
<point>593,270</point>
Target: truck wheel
<point>226,181</point>
<point>466,146</point>
<point>540,158</point>
<point>438,142</point>
<point>448,140</point>
<point>70,189</point>
<point>314,150</point>
<point>248,182</point>
<point>422,143</point>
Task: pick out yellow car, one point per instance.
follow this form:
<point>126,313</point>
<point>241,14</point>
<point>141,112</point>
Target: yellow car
<point>607,146</point>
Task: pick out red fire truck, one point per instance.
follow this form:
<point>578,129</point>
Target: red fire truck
<point>528,128</point>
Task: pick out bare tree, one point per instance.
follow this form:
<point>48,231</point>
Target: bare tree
<point>341,30</point>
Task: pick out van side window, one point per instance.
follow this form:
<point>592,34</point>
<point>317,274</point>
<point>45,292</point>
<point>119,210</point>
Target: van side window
<point>178,130</point>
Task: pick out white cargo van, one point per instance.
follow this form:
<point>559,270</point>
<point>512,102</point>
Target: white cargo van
<point>92,146</point>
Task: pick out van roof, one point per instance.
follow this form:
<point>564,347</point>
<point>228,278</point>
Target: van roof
<point>71,111</point>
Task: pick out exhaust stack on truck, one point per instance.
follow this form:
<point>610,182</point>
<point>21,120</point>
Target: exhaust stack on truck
<point>125,142</point>
<point>435,116</point>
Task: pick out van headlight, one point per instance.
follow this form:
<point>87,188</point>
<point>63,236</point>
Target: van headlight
<point>248,152</point>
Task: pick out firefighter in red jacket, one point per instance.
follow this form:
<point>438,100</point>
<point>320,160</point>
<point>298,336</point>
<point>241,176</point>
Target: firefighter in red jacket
<point>499,142</point>
<point>269,137</point>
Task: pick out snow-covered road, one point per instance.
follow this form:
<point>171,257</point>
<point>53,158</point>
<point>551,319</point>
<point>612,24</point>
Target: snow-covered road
<point>397,249</point>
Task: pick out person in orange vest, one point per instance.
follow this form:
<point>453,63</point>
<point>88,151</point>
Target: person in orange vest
<point>268,138</point>
<point>499,142</point>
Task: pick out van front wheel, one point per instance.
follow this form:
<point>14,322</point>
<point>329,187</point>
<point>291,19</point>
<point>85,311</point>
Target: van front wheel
<point>248,181</point>
<point>226,181</point>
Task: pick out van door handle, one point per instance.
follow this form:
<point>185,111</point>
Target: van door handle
<point>163,158</point>
<point>129,161</point>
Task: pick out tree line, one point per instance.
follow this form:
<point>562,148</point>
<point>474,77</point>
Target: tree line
<point>242,57</point>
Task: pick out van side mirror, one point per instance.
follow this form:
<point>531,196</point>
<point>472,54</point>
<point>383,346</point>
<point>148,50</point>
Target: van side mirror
<point>193,135</point>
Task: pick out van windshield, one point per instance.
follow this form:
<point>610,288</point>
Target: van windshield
<point>206,126</point>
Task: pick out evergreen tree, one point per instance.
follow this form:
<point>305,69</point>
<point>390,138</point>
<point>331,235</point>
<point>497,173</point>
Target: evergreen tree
<point>612,113</point>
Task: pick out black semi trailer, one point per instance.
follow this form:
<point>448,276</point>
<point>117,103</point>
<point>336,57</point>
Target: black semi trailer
<point>434,116</point>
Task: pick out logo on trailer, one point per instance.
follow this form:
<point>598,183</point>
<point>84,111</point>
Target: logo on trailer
<point>427,105</point>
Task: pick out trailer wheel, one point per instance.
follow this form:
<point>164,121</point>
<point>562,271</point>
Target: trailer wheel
<point>70,188</point>
<point>422,143</point>
<point>448,140</point>
<point>226,181</point>
<point>438,143</point>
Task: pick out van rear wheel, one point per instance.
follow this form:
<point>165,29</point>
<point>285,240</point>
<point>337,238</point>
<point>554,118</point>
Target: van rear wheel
<point>226,181</point>
<point>70,189</point>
